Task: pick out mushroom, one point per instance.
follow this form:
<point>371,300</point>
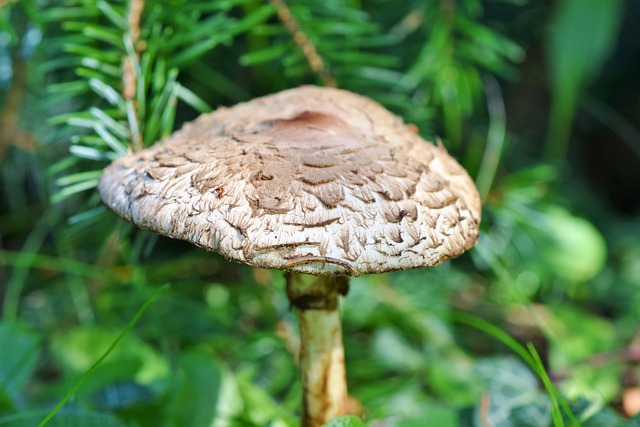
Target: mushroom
<point>313,181</point>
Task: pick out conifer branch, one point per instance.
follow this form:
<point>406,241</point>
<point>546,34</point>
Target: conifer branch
<point>308,48</point>
<point>130,65</point>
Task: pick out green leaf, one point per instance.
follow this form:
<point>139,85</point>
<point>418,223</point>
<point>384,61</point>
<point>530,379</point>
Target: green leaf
<point>78,349</point>
<point>345,421</point>
<point>260,408</point>
<point>433,414</point>
<point>204,392</point>
<point>62,419</point>
<point>452,380</point>
<point>634,421</point>
<point>532,414</point>
<point>574,336</point>
<point>578,251</point>
<point>509,384</point>
<point>393,351</point>
<point>109,351</point>
<point>16,365</point>
<point>576,51</point>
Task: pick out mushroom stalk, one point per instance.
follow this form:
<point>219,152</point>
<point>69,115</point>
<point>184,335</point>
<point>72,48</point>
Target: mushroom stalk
<point>322,368</point>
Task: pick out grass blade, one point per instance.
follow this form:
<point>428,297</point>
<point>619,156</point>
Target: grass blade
<point>97,363</point>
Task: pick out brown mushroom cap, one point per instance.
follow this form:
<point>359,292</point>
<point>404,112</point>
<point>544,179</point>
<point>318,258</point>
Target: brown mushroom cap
<point>312,180</point>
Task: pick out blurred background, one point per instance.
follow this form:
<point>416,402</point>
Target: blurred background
<point>538,325</point>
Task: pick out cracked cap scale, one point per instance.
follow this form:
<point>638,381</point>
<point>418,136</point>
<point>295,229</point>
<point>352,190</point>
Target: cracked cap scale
<point>311,180</point>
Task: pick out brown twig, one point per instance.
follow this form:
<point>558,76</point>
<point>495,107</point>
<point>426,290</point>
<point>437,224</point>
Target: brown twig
<point>308,48</point>
<point>10,134</point>
<point>485,403</point>
<point>129,78</point>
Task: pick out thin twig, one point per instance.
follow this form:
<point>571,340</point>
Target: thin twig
<point>485,404</point>
<point>129,72</point>
<point>10,133</point>
<point>308,48</point>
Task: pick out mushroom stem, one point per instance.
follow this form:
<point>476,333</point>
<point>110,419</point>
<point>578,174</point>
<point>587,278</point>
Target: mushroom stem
<point>322,368</point>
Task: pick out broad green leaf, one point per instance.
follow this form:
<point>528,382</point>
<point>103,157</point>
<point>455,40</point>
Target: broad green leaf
<point>432,415</point>
<point>122,395</point>
<point>579,251</point>
<point>205,393</point>
<point>260,408</point>
<point>594,414</point>
<point>532,414</point>
<point>575,336</point>
<point>581,38</point>
<point>19,352</point>
<point>345,421</point>
<point>109,376</point>
<point>452,379</point>
<point>395,352</point>
<point>77,350</point>
<point>509,384</point>
<point>607,417</point>
<point>634,421</point>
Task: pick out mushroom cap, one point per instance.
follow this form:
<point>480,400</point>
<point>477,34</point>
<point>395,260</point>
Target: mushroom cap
<point>312,180</point>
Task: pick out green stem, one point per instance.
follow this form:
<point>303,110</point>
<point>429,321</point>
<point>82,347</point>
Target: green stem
<point>560,121</point>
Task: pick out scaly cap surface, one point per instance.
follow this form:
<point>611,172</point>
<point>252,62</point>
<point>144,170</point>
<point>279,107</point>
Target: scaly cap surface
<point>313,180</point>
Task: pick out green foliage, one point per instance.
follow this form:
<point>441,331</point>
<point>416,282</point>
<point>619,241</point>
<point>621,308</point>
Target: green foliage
<point>17,365</point>
<point>94,44</point>
<point>73,418</point>
<point>196,399</point>
<point>458,50</point>
<point>86,343</point>
<point>346,421</point>
<point>576,53</point>
<point>553,285</point>
<point>535,241</point>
